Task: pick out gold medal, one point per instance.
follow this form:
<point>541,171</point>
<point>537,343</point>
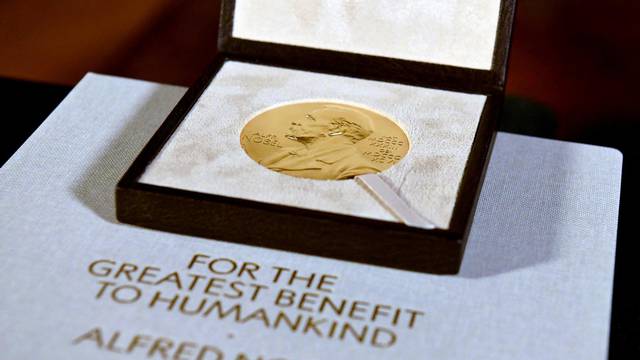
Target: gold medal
<point>324,140</point>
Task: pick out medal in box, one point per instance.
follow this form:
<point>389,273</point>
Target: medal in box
<point>357,130</point>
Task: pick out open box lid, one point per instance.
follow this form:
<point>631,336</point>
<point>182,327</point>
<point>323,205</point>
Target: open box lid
<point>456,44</point>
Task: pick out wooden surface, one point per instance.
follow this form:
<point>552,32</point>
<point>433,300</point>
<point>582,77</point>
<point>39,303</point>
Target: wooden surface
<point>59,41</point>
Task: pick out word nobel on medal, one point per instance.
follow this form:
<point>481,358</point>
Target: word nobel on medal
<point>324,140</point>
<point>332,141</point>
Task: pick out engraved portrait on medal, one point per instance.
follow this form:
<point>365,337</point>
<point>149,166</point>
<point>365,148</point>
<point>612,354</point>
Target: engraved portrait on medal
<point>324,140</point>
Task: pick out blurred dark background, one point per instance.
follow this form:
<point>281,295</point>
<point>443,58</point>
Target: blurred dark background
<point>573,75</point>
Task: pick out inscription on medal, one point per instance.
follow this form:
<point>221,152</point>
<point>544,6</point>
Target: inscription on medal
<point>387,149</point>
<point>258,138</point>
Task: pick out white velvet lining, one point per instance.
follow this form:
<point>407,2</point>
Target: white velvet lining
<point>204,154</point>
<point>450,32</point>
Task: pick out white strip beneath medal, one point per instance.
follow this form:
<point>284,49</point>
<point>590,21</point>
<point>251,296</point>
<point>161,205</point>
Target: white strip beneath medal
<point>392,201</point>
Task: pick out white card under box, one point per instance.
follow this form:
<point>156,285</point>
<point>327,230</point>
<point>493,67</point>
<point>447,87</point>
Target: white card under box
<point>437,68</point>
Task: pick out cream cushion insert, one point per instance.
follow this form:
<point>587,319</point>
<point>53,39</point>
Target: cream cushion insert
<point>450,32</point>
<point>204,153</point>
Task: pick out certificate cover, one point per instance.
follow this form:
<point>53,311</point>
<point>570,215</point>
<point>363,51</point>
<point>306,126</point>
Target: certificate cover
<point>535,282</point>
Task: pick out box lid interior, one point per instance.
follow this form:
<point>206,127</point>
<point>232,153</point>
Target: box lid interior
<point>463,39</point>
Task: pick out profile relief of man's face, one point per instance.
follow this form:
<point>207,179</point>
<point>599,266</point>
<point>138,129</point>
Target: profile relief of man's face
<point>326,145</point>
<point>330,122</point>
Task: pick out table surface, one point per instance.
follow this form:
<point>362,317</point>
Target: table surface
<point>535,282</point>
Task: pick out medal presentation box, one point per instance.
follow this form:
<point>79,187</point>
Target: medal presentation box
<point>436,68</point>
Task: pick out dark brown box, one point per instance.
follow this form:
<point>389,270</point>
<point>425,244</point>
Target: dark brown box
<point>315,232</point>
